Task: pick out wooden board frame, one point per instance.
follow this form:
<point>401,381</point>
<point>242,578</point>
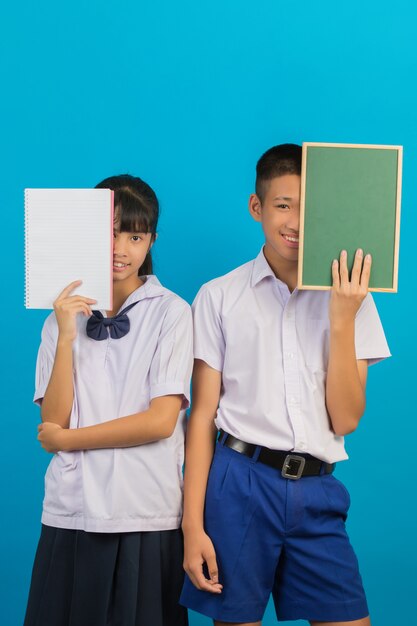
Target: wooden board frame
<point>305,146</point>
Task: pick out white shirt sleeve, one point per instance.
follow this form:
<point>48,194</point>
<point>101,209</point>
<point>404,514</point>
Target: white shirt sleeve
<point>172,363</point>
<point>370,339</point>
<point>46,357</point>
<point>209,343</point>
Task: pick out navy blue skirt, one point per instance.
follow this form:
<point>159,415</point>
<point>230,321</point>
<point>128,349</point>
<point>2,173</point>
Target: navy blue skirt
<point>106,579</point>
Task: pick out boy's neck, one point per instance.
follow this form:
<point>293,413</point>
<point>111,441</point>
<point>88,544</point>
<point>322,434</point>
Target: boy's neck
<point>121,291</point>
<point>283,269</point>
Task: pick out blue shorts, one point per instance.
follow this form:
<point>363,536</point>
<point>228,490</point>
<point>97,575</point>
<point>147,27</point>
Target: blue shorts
<point>279,536</point>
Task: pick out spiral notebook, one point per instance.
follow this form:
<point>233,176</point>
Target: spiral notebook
<point>68,236</point>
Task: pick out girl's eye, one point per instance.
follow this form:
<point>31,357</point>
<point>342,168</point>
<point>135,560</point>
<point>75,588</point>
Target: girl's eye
<point>136,238</point>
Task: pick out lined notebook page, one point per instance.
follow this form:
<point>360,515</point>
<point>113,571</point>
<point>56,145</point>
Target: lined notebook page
<point>68,236</point>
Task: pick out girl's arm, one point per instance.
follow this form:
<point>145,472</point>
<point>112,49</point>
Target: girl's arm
<point>346,376</point>
<point>59,395</point>
<point>157,422</point>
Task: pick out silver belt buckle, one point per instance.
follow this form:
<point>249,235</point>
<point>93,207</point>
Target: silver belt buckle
<point>288,467</point>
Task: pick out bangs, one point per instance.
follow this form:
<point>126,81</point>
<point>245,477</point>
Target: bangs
<point>130,213</point>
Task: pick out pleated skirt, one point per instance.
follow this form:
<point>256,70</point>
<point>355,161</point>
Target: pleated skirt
<point>106,579</point>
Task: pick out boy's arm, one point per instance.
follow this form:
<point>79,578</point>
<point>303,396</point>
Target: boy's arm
<point>346,376</point>
<point>201,437</point>
<point>157,422</point>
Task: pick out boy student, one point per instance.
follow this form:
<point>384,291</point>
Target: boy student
<point>281,373</point>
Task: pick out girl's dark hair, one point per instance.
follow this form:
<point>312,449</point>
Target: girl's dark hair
<point>136,208</point>
<point>277,161</point>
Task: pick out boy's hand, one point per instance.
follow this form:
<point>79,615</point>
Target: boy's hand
<point>199,549</point>
<point>52,436</point>
<point>67,307</point>
<point>347,296</point>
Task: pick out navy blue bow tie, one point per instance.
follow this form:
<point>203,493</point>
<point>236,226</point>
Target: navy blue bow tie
<point>98,326</point>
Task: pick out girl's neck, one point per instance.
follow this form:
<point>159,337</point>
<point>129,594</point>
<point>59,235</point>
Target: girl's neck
<point>121,291</point>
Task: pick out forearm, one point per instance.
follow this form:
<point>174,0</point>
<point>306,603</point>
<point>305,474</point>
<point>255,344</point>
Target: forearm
<point>201,437</point>
<point>59,396</point>
<point>345,392</point>
<point>156,423</point>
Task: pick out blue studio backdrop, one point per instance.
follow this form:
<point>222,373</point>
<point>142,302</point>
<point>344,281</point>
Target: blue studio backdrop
<point>188,95</point>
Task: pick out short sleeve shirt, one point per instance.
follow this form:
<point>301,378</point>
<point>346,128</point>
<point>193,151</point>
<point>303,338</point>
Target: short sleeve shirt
<point>272,348</point>
<point>122,489</point>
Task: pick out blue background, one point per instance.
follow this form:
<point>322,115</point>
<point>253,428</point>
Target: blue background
<point>188,95</point>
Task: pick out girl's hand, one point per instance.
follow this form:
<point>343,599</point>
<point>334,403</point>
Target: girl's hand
<point>51,436</point>
<point>347,296</point>
<point>67,307</point>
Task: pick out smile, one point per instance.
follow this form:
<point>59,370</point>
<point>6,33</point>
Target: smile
<point>290,238</point>
<point>120,265</point>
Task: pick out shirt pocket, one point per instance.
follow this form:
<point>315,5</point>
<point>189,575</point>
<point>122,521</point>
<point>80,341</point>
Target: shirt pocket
<point>316,346</point>
<point>62,487</point>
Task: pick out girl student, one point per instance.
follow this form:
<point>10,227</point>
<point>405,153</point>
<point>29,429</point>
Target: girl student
<point>113,387</point>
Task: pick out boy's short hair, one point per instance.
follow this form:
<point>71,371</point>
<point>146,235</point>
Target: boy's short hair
<point>277,161</point>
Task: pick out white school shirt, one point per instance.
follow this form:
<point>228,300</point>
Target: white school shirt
<point>272,347</point>
<point>122,489</point>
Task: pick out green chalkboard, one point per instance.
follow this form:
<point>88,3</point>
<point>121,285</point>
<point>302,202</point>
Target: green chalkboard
<point>350,199</point>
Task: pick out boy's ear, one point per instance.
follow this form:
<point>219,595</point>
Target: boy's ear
<point>255,207</point>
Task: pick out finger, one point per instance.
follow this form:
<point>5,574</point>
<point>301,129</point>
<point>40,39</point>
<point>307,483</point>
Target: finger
<point>83,299</point>
<point>214,587</point>
<point>74,304</point>
<point>79,307</point>
<point>356,269</point>
<point>366,271</point>
<point>196,576</point>
<point>335,274</point>
<point>87,311</point>
<point>212,569</point>
<point>65,292</point>
<point>76,298</point>
<point>84,309</point>
<point>200,581</point>
<point>343,269</point>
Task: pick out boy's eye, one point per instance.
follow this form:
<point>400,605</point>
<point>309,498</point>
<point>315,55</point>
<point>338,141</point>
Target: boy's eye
<point>282,206</point>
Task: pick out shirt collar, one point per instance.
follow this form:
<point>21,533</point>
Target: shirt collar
<point>261,269</point>
<point>151,288</point>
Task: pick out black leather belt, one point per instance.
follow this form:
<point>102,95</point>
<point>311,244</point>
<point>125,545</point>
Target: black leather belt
<point>293,466</point>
